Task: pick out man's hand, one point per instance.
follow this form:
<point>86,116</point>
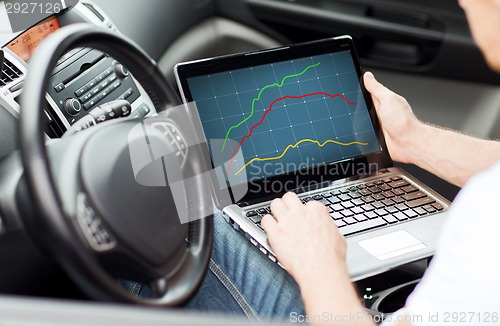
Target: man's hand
<point>309,246</point>
<point>398,122</point>
<point>305,239</point>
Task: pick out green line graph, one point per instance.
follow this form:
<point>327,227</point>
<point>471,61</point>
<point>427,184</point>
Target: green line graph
<point>255,100</point>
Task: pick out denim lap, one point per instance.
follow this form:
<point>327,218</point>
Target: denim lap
<point>259,286</point>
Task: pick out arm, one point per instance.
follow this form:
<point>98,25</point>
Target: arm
<point>450,155</point>
<point>309,246</point>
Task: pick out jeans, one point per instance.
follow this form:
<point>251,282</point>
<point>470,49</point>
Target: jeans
<point>241,281</point>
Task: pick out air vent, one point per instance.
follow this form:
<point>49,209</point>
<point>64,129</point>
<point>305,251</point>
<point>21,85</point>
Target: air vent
<point>9,73</point>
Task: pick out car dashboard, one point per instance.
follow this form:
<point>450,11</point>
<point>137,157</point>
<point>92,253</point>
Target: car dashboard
<point>83,79</point>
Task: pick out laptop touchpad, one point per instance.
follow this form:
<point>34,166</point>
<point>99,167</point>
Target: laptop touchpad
<point>392,245</point>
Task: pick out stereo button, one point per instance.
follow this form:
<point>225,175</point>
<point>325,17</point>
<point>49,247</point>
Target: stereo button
<point>96,90</point>
<point>104,84</point>
<point>81,91</point>
<point>59,87</point>
<point>116,85</point>
<point>121,71</point>
<point>93,102</point>
<point>112,78</point>
<point>86,97</point>
<point>91,84</point>
<point>105,93</point>
<point>104,74</point>
<point>72,106</point>
<point>128,93</point>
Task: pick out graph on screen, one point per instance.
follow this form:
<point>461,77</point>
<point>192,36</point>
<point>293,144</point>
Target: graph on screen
<point>285,115</point>
<point>279,85</point>
<point>295,146</point>
<point>269,110</point>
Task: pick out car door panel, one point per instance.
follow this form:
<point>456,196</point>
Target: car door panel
<point>425,37</point>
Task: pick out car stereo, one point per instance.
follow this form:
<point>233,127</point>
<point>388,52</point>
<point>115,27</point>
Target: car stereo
<point>87,78</point>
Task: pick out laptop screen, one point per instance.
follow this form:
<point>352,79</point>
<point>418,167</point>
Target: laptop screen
<point>286,116</point>
<point>281,116</point>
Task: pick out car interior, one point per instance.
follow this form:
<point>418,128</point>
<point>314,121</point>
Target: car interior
<point>62,112</point>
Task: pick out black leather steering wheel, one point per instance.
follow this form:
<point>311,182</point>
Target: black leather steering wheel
<point>91,213</point>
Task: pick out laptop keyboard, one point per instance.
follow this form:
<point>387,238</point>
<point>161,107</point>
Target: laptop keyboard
<point>369,205</point>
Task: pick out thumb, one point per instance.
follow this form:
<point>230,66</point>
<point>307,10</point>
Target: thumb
<point>376,89</point>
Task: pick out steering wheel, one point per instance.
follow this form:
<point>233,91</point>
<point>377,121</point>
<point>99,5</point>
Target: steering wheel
<point>90,211</point>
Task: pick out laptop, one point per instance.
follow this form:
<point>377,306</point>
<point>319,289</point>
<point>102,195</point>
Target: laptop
<point>298,118</point>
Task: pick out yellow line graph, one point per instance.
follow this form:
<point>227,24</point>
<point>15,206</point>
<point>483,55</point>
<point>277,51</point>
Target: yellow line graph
<point>295,146</point>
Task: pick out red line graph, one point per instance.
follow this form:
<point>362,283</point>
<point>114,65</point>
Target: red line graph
<point>269,110</point>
